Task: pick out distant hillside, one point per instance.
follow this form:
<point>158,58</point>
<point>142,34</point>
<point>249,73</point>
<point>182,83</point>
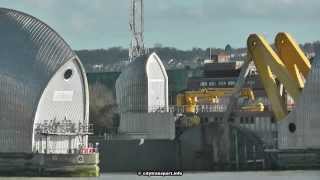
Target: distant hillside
<point>113,59</point>
<point>102,56</point>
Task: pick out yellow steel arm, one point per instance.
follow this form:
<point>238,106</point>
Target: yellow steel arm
<point>292,56</point>
<point>287,66</point>
<point>271,88</point>
<point>260,50</point>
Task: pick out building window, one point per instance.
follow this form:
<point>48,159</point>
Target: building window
<point>212,83</point>
<point>222,83</point>
<point>231,83</point>
<point>203,84</point>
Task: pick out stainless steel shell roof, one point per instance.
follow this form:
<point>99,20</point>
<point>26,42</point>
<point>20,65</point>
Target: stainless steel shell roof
<point>305,117</point>
<point>135,70</point>
<point>133,86</point>
<point>30,53</point>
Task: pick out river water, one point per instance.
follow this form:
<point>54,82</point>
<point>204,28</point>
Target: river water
<point>260,175</point>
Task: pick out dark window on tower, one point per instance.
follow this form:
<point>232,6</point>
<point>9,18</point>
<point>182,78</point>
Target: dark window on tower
<point>292,127</point>
<point>67,74</point>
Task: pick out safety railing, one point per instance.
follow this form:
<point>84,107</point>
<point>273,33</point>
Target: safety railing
<point>63,127</point>
<point>185,108</point>
<point>198,108</point>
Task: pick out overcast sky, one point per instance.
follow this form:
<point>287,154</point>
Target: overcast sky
<point>91,24</point>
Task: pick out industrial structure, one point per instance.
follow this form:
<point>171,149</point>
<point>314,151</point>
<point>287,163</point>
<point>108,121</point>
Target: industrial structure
<point>136,26</point>
<point>260,112</point>
<point>142,98</point>
<point>298,129</point>
<point>257,114</point>
<point>285,74</point>
<point>142,88</point>
<point>44,99</point>
<point>239,115</point>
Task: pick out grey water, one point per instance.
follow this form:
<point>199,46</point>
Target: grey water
<point>260,175</point>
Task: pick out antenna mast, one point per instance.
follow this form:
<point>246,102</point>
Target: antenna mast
<point>136,28</point>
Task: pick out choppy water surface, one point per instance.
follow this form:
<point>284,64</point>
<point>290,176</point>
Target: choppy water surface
<point>261,175</point>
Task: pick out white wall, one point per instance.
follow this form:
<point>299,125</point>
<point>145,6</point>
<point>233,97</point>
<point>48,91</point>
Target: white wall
<point>62,99</point>
<point>157,84</point>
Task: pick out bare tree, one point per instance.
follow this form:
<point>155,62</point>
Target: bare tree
<point>102,106</point>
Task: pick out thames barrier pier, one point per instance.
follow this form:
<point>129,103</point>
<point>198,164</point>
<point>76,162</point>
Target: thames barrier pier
<point>44,102</point>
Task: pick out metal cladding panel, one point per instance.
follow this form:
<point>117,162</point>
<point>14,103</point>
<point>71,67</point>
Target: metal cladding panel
<point>148,125</point>
<point>131,87</point>
<point>305,117</point>
<point>30,54</point>
<point>134,89</point>
<point>142,88</point>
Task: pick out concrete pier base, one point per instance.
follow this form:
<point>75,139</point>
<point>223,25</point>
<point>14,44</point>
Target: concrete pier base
<point>299,159</point>
<point>80,165</point>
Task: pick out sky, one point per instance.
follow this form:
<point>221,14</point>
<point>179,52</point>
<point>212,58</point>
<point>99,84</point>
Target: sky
<point>183,24</point>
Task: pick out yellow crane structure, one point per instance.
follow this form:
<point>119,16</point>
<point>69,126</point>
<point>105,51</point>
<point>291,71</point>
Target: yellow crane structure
<point>190,99</point>
<point>286,64</point>
<point>282,69</point>
<point>286,67</point>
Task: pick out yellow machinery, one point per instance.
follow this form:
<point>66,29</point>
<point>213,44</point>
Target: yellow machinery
<point>284,68</point>
<point>255,107</point>
<point>190,99</point>
<point>287,64</point>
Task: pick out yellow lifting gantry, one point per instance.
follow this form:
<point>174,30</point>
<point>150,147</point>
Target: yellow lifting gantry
<point>288,64</point>
<point>189,99</point>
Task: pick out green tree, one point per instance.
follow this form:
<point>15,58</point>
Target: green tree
<point>228,49</point>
